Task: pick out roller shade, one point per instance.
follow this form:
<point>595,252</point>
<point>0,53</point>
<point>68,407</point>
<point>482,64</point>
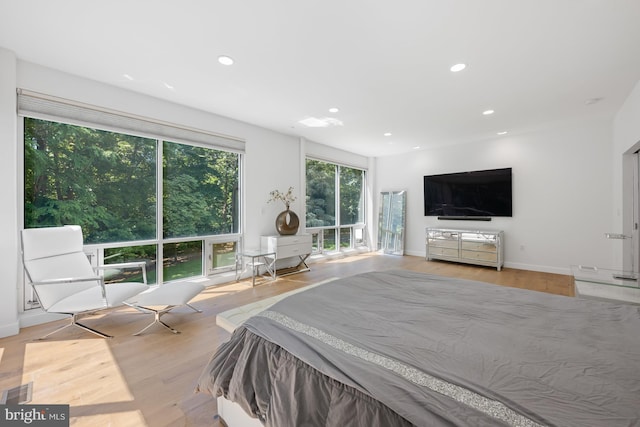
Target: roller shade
<point>46,107</point>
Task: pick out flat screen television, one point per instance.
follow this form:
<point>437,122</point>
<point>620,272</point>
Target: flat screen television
<point>484,193</point>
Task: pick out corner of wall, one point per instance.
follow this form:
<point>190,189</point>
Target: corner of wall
<point>9,177</point>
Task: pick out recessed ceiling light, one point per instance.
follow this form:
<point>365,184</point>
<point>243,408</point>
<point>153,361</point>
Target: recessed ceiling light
<point>387,134</point>
<point>128,77</point>
<point>504,132</point>
<point>334,110</point>
<point>314,122</point>
<point>168,86</point>
<point>488,112</point>
<point>417,147</point>
<point>458,67</point>
<point>225,60</point>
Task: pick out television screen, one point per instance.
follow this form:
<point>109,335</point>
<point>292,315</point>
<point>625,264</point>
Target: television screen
<point>483,193</point>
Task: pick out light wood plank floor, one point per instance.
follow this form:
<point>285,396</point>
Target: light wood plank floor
<point>149,380</point>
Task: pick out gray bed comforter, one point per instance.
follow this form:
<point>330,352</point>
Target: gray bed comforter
<point>399,348</point>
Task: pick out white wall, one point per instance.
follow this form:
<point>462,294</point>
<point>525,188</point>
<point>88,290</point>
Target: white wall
<point>8,212</point>
<point>562,180</point>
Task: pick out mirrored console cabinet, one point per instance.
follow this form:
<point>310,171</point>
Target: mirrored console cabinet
<point>481,247</point>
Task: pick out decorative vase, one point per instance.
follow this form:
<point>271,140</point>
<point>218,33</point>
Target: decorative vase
<point>287,222</point>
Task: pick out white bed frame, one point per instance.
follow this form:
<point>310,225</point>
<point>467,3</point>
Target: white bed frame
<point>232,415</point>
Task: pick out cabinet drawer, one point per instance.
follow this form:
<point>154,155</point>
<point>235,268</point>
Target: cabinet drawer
<point>443,235</point>
<point>479,246</point>
<point>435,251</point>
<point>288,246</point>
<point>286,251</point>
<point>479,237</point>
<point>443,243</point>
<point>292,240</point>
<point>479,256</point>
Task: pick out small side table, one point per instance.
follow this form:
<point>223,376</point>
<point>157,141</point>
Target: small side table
<point>607,284</point>
<point>256,259</point>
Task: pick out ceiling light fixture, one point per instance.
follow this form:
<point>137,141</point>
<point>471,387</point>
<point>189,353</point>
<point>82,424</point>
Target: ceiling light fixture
<point>314,122</point>
<point>128,77</point>
<point>225,60</point>
<point>458,67</point>
<point>488,112</point>
<point>388,134</point>
<point>504,132</point>
<point>417,147</point>
<point>334,110</point>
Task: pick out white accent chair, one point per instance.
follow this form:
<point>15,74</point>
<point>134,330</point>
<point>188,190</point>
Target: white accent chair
<point>161,299</point>
<point>63,279</point>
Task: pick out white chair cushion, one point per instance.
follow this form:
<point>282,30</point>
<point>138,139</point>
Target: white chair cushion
<point>91,299</point>
<point>87,300</point>
<point>69,265</point>
<point>51,241</point>
<point>118,293</point>
<point>168,294</point>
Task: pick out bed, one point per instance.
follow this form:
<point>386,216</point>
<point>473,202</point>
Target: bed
<point>401,348</point>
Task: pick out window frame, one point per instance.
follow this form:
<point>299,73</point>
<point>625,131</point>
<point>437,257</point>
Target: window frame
<point>317,233</point>
<point>96,251</point>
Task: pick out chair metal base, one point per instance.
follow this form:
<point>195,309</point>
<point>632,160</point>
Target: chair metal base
<point>74,322</point>
<point>157,314</point>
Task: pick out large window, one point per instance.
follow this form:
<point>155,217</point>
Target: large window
<point>104,181</point>
<point>115,185</point>
<point>200,191</point>
<point>335,206</point>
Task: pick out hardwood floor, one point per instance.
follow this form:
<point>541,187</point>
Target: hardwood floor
<point>149,380</point>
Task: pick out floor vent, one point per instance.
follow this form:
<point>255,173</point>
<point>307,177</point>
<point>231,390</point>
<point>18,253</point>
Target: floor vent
<point>17,395</point>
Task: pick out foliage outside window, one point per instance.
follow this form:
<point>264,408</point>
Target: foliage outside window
<point>182,260</point>
<point>223,255</point>
<point>117,255</point>
<point>351,195</point>
<point>103,181</point>
<point>321,193</point>
<point>200,191</point>
<point>107,182</point>
<point>334,205</point>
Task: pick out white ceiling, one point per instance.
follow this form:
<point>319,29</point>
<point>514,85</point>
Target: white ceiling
<point>384,64</point>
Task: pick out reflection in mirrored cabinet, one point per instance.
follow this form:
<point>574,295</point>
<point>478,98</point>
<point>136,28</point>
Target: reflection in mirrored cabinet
<point>391,222</point>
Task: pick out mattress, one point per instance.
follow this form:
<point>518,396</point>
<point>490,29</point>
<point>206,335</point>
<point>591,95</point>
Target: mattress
<point>405,348</point>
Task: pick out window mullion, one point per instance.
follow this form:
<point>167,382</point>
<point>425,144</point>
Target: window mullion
<point>337,193</point>
<point>159,211</point>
